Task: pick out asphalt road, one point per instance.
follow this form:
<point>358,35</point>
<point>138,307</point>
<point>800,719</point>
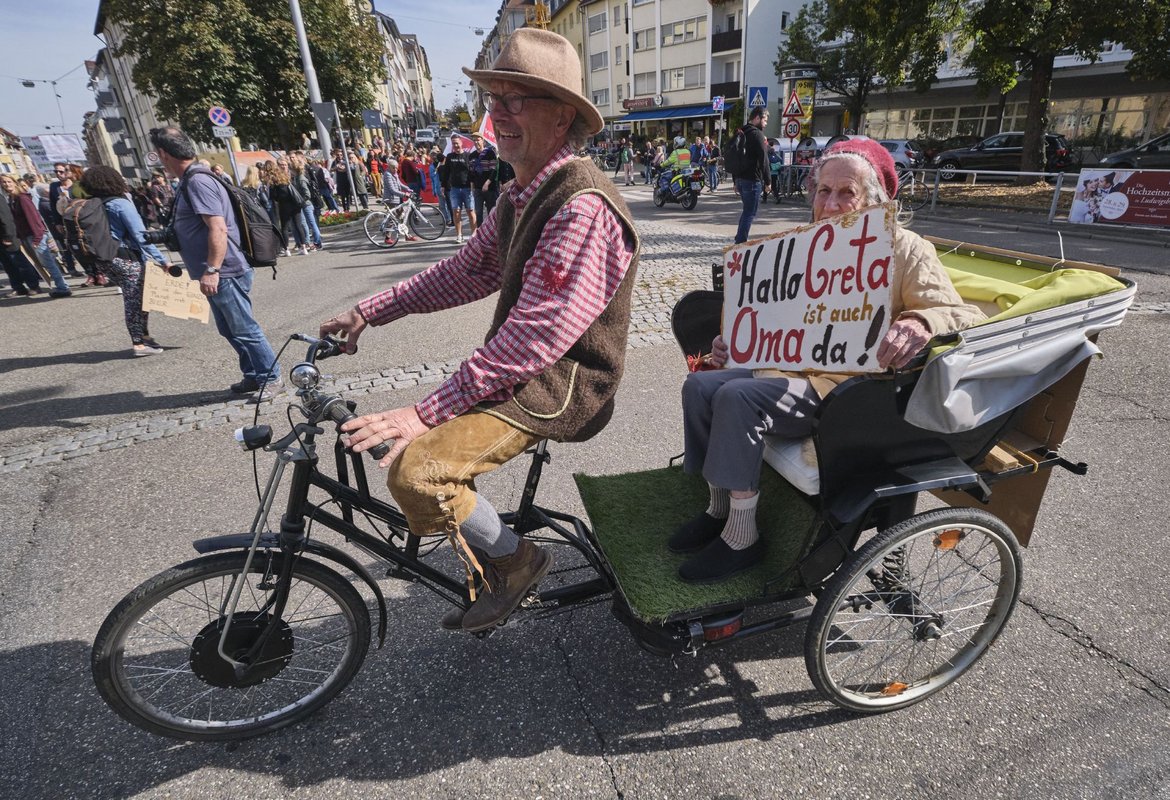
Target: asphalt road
<point>1071,702</point>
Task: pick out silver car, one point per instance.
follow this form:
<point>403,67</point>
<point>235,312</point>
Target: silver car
<point>907,153</point>
<point>1154,154</point>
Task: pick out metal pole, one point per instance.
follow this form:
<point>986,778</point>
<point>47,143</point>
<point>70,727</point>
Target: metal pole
<point>1055,197</point>
<point>345,153</point>
<point>310,76</point>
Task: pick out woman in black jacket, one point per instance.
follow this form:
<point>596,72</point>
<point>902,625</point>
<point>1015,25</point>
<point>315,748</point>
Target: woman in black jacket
<point>288,204</point>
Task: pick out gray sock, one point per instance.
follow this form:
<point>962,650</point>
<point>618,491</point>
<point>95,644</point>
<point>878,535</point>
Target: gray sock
<point>485,531</point>
<point>740,531</point>
<point>720,502</point>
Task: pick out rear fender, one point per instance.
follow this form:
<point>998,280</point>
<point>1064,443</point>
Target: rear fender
<point>328,552</point>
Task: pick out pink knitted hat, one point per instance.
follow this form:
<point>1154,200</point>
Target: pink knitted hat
<point>878,157</point>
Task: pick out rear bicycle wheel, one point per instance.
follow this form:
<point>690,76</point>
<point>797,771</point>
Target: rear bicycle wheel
<point>914,193</point>
<point>426,221</point>
<point>156,661</point>
<point>381,229</point>
<point>913,609</point>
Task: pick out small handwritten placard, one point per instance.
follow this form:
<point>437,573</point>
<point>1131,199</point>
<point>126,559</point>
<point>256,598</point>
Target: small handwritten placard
<point>816,298</point>
<point>176,297</point>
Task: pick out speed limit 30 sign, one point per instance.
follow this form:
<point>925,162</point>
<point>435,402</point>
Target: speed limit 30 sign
<point>792,127</point>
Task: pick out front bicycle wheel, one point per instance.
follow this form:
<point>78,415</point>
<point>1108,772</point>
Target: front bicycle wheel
<point>156,661</point>
<point>914,193</point>
<point>426,221</point>
<point>381,228</point>
<point>913,609</point>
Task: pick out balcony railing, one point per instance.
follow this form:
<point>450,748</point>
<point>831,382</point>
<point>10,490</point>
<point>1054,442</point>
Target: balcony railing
<point>728,40</point>
<point>730,89</point>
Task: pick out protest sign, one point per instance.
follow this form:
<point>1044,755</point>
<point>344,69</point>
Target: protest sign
<point>1121,197</point>
<point>816,298</point>
<point>176,297</point>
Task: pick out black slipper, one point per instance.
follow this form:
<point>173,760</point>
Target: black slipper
<point>695,534</point>
<point>717,562</point>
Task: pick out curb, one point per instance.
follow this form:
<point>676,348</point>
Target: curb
<point>1131,236</point>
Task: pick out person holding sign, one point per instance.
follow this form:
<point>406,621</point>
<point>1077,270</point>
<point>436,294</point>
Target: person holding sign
<point>727,412</point>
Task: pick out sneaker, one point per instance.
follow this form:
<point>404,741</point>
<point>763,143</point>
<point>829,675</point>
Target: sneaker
<point>304,251</point>
<point>145,349</point>
<point>267,392</point>
<point>90,281</point>
<point>411,238</point>
<point>284,253</point>
<point>509,580</point>
<point>246,386</point>
<point>459,239</point>
<point>63,293</point>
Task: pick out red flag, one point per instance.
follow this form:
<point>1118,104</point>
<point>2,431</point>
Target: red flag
<point>468,145</point>
<point>488,131</point>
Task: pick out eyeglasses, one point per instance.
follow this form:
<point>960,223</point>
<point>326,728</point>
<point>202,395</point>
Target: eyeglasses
<point>513,103</point>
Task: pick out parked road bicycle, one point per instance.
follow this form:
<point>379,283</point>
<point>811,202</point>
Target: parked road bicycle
<point>424,220</point>
<point>788,181</point>
<point>913,193</point>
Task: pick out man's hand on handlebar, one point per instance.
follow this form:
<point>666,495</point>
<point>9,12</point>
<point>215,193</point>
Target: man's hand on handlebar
<point>348,325</point>
<point>902,342</point>
<point>400,425</point>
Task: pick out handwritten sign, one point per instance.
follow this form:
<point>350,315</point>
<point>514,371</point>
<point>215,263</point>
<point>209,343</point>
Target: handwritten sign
<point>176,297</point>
<point>816,298</point>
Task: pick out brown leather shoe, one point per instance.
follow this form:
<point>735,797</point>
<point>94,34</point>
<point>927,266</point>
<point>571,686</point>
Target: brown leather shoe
<point>453,619</point>
<point>511,579</point>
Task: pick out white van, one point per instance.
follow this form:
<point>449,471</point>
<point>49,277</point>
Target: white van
<point>424,136</point>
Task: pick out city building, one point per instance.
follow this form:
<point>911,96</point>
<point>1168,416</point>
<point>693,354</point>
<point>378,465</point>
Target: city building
<point>14,159</point>
<point>108,138</point>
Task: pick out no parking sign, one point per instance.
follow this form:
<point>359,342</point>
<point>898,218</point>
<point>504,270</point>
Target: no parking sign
<point>219,116</point>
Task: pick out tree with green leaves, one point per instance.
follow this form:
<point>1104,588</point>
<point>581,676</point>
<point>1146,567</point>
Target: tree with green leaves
<point>242,54</point>
<point>864,45</point>
<point>1010,40</point>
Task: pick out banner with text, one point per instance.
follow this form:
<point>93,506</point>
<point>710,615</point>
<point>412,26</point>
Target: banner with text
<point>816,298</point>
<point>176,297</point>
<point>1122,197</point>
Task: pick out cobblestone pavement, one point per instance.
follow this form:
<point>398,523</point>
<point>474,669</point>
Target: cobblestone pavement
<point>673,262</point>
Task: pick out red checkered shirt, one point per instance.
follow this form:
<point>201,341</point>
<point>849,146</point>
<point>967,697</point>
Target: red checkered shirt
<point>578,264</point>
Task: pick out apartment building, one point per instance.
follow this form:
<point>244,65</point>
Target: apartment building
<point>108,137</point>
<point>654,66</point>
<point>404,97</point>
<point>14,160</point>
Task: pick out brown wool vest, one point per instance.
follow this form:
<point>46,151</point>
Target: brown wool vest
<point>573,399</point>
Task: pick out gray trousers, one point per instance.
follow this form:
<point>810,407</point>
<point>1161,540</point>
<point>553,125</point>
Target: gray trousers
<point>727,412</point>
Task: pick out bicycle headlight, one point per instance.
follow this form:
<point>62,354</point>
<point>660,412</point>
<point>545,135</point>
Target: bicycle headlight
<point>305,376</point>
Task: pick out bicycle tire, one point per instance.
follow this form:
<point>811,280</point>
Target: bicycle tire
<point>426,221</point>
<point>176,614</point>
<point>869,645</point>
<point>381,229</point>
<point>914,193</point>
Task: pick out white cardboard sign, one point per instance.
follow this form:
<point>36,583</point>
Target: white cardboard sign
<point>176,297</point>
<point>816,298</point>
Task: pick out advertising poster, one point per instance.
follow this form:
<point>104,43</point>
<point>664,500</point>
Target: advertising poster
<point>816,298</point>
<point>50,148</point>
<point>1122,197</point>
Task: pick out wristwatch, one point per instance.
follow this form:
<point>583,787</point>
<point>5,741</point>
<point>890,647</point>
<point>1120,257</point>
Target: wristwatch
<point>211,271</point>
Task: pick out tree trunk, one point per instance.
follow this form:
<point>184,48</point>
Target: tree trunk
<point>1037,123</point>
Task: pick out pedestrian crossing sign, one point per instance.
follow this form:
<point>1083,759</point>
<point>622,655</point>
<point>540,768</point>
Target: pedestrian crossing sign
<point>793,109</point>
<point>758,96</point>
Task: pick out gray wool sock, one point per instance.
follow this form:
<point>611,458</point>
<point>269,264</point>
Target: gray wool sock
<point>740,531</point>
<point>485,531</point>
<point>719,504</point>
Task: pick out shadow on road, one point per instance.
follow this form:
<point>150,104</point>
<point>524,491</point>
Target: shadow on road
<point>30,409</point>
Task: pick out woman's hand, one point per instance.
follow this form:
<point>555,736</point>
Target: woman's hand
<point>719,352</point>
<point>349,324</point>
<point>902,342</point>
<point>403,425</point>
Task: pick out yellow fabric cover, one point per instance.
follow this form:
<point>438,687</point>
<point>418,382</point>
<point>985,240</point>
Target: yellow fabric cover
<point>1045,290</point>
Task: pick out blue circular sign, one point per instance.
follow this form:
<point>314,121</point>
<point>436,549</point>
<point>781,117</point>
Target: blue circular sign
<point>219,116</point>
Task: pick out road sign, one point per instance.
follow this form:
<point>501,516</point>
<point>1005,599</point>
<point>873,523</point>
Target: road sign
<point>794,108</point>
<point>219,116</point>
<point>152,159</point>
<point>325,113</point>
<point>717,103</point>
<point>223,133</point>
<point>758,95</point>
<point>792,127</point>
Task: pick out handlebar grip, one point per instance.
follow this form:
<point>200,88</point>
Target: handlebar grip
<point>340,414</point>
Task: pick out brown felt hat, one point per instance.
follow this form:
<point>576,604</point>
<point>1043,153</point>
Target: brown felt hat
<point>547,62</point>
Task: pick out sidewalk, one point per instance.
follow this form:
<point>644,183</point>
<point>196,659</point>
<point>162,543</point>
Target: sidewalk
<point>1015,220</point>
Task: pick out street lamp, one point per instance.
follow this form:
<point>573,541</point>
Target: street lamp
<point>30,83</point>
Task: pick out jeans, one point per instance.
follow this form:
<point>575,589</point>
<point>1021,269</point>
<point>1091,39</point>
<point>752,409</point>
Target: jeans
<point>327,195</point>
<point>310,216</point>
<point>713,176</point>
<point>231,307</point>
<point>749,193</point>
<point>45,255</point>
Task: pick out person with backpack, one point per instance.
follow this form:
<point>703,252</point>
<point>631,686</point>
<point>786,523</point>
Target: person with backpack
<point>288,202</point>
<point>746,159</point>
<point>209,240</point>
<point>110,219</point>
<point>32,232</point>
<point>307,188</point>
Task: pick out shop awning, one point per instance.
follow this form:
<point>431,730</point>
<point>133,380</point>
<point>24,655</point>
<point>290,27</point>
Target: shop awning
<point>679,112</point>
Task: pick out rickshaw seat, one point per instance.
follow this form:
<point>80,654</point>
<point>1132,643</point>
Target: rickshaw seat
<point>786,456</point>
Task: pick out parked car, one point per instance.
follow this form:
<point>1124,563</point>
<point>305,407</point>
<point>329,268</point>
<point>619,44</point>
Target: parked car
<point>424,136</point>
<point>1154,154</point>
<point>1003,151</point>
<point>907,153</point>
<point>932,147</point>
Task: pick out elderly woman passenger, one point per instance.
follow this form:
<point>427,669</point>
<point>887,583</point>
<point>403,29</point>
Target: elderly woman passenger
<point>726,412</point>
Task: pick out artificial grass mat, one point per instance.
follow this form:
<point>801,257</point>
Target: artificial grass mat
<point>634,513</point>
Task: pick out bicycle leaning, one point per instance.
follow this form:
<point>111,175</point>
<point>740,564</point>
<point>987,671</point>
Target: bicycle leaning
<point>424,220</point>
<point>913,193</point>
